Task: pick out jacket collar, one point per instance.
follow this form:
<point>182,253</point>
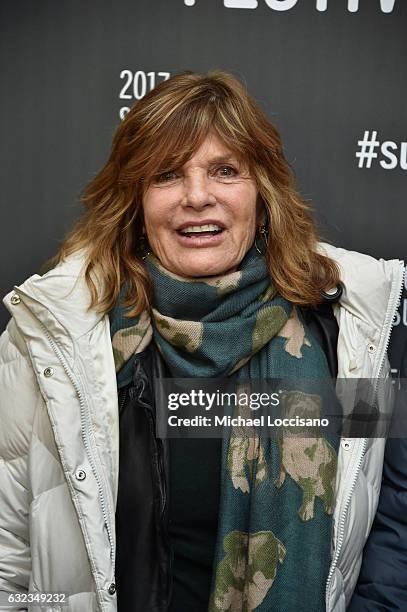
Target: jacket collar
<point>60,299</point>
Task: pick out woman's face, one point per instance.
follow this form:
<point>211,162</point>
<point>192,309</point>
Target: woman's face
<point>201,219</point>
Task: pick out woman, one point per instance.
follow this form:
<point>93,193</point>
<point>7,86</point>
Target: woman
<point>194,242</point>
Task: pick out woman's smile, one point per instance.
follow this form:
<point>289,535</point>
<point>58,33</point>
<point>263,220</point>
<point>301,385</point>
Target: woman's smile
<point>207,233</point>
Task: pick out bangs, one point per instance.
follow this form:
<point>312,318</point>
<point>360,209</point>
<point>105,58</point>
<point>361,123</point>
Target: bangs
<point>182,133</point>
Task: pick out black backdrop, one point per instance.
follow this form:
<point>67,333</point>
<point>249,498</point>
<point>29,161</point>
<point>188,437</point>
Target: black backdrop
<point>329,73</point>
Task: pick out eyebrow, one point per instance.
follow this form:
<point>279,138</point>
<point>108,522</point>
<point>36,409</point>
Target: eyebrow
<point>222,159</point>
<point>217,159</point>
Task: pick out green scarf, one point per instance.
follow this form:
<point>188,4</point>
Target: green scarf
<point>277,493</point>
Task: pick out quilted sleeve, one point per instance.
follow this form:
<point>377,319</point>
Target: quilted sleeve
<point>18,399</point>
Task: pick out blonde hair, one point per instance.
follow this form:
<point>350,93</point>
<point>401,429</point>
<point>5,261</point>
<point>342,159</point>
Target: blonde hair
<point>161,132</point>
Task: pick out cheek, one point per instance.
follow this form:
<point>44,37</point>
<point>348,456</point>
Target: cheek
<point>246,212</point>
<point>157,235</point>
<point>155,215</point>
<point>150,202</point>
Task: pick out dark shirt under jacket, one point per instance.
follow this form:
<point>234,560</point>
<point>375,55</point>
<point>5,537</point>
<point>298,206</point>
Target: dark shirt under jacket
<point>194,504</point>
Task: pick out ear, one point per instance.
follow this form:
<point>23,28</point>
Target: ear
<point>261,214</point>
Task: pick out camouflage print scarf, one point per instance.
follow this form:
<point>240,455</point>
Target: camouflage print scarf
<point>277,494</point>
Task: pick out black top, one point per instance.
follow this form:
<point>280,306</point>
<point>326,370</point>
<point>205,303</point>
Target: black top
<point>194,484</point>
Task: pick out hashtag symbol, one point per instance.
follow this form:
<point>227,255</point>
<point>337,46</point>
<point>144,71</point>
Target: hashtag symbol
<point>367,149</point>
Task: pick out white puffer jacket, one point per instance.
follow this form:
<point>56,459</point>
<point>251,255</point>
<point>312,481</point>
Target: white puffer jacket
<point>59,435</point>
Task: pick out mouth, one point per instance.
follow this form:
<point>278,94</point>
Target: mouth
<point>208,229</point>
<point>207,233</point>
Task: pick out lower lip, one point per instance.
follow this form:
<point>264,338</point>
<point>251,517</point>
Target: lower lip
<point>199,241</point>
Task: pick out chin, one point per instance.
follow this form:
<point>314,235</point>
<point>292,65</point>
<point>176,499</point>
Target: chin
<point>201,269</point>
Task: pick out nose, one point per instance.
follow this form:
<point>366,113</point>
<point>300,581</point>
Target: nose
<point>197,191</point>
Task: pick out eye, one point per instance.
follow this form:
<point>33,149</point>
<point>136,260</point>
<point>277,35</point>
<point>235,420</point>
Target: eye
<point>165,177</point>
<point>226,171</point>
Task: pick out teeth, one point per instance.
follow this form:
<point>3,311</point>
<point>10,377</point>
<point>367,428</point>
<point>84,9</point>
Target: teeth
<point>196,229</point>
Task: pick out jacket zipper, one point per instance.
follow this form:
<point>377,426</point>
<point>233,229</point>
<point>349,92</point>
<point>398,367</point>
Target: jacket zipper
<point>135,393</point>
<point>85,425</point>
<point>341,523</point>
<point>123,399</point>
<point>162,486</point>
<point>164,522</point>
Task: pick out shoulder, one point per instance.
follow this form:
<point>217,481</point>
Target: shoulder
<point>371,287</point>
<point>58,299</point>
